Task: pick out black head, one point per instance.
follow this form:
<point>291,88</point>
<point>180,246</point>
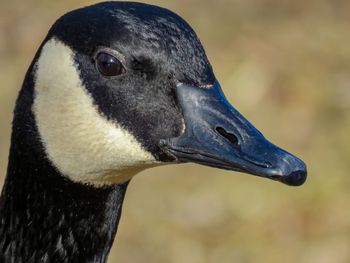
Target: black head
<point>157,48</point>
<point>147,76</point>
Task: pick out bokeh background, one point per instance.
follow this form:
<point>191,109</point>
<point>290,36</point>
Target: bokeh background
<point>285,64</point>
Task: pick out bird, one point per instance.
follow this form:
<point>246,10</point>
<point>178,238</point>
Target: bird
<point>115,88</point>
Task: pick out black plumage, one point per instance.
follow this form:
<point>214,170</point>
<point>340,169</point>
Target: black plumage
<point>45,217</point>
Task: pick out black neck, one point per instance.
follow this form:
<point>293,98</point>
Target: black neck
<point>45,217</point>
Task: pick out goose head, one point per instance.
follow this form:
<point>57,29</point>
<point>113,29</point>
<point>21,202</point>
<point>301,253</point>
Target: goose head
<point>122,87</point>
<point>115,88</point>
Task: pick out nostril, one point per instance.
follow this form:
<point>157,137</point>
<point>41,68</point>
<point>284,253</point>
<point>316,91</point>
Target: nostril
<point>229,136</point>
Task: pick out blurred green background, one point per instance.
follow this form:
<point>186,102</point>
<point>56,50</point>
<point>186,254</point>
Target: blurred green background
<point>285,64</point>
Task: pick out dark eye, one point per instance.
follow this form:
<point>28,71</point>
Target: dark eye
<point>109,65</point>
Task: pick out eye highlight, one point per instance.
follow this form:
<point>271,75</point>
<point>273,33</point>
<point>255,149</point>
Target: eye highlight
<point>109,65</point>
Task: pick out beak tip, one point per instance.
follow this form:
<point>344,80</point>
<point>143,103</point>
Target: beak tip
<point>295,178</point>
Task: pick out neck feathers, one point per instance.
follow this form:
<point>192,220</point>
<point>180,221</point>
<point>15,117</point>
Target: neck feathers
<point>45,217</point>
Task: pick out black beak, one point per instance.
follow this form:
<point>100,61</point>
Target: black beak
<point>217,135</point>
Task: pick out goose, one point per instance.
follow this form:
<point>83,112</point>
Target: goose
<point>115,88</point>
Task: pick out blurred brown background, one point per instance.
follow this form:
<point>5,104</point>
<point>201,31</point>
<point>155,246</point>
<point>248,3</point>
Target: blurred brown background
<point>285,64</point>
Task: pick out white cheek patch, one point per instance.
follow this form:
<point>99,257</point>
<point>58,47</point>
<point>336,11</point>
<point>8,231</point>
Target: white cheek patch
<point>81,143</point>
